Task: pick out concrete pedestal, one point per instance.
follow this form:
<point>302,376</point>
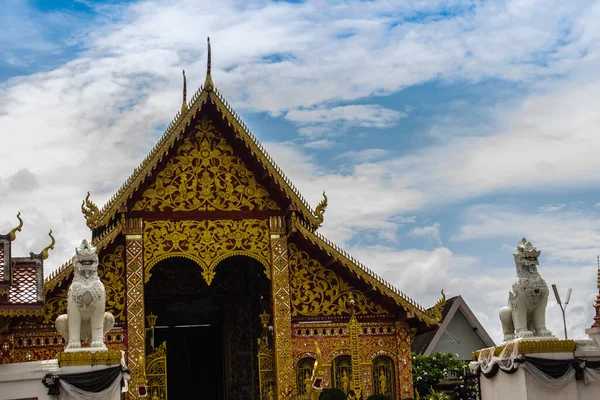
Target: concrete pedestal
<point>24,380</point>
<point>521,385</point>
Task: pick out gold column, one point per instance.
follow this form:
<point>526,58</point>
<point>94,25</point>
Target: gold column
<point>282,323</point>
<point>354,332</point>
<point>135,301</point>
<point>403,339</point>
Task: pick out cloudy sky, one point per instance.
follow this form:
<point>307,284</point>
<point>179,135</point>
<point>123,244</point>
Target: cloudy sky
<point>442,131</point>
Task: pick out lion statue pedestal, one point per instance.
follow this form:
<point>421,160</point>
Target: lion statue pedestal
<point>86,300</point>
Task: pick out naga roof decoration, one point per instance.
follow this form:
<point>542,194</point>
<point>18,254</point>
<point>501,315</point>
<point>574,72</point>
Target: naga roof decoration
<point>13,232</point>
<point>44,252</point>
<point>428,316</point>
<point>65,270</point>
<point>96,218</point>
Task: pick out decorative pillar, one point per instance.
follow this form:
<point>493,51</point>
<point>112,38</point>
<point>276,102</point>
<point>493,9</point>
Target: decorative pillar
<point>285,381</point>
<point>354,332</point>
<point>403,339</point>
<point>134,246</point>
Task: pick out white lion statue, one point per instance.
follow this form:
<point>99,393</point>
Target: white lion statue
<point>86,300</point>
<point>525,315</point>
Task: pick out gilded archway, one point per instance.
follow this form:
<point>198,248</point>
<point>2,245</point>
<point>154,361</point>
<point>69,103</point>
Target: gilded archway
<point>206,242</point>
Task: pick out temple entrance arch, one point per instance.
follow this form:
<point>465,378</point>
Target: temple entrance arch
<point>211,330</point>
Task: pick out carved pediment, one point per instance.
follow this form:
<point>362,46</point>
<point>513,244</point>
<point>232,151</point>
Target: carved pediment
<point>205,174</point>
<point>319,291</point>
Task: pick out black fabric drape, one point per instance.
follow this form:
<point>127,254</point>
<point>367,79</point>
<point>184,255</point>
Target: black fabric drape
<point>94,381</point>
<point>495,368</point>
<point>593,364</point>
<point>552,368</point>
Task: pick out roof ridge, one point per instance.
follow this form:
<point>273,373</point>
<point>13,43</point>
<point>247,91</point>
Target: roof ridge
<point>271,162</point>
<point>162,145</point>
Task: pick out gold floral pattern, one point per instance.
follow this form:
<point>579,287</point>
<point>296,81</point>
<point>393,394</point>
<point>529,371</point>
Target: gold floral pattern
<point>206,242</point>
<point>112,274</point>
<point>317,290</point>
<point>205,175</point>
<point>55,303</point>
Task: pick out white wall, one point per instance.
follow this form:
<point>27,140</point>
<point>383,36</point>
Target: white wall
<point>461,329</point>
<point>24,380</point>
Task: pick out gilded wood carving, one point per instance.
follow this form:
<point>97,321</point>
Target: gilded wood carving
<point>112,274</point>
<point>285,376</point>
<point>334,344</point>
<point>205,175</point>
<point>136,332</point>
<point>206,242</point>
<point>156,372</point>
<point>56,303</point>
<point>317,290</point>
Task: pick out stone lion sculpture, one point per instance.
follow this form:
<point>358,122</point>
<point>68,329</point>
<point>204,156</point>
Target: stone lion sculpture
<point>525,315</point>
<point>86,301</point>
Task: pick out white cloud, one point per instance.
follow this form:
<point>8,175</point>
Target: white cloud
<point>566,237</point>
<point>430,233</point>
<point>344,117</point>
<point>548,141</point>
<point>552,207</point>
<point>322,144</point>
<point>364,156</point>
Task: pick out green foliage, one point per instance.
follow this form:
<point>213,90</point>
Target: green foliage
<point>332,394</point>
<point>428,371</point>
<point>433,395</point>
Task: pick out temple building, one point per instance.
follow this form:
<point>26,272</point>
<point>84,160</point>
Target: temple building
<point>218,279</point>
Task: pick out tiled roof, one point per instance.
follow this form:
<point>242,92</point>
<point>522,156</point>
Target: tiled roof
<point>23,289</point>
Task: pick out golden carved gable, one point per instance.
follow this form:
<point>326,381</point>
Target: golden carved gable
<point>205,175</point>
<point>206,242</point>
<point>318,291</point>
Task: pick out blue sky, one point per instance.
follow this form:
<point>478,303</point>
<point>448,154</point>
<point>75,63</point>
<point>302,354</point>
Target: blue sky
<point>442,132</point>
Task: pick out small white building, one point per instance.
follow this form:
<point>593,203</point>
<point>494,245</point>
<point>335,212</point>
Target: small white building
<point>459,333</point>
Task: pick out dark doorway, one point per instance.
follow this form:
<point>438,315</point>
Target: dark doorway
<point>211,330</point>
<point>193,331</point>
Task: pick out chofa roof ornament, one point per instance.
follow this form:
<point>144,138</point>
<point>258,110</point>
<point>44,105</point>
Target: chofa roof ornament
<point>320,210</point>
<point>13,232</point>
<point>90,211</point>
<point>49,247</point>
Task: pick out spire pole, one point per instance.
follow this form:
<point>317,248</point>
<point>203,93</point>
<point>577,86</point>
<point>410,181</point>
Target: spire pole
<point>184,106</point>
<point>208,83</point>
<point>597,305</point>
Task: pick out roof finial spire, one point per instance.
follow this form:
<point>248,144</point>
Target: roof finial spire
<point>184,106</point>
<point>597,304</point>
<point>208,83</point>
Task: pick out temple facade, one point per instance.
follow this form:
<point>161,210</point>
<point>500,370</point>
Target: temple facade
<point>219,280</point>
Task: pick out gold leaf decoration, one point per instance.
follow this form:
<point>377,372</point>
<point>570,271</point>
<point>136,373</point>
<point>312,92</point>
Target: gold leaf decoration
<point>55,302</point>
<point>90,211</point>
<point>206,242</point>
<point>112,274</point>
<point>205,175</point>
<point>318,291</point>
